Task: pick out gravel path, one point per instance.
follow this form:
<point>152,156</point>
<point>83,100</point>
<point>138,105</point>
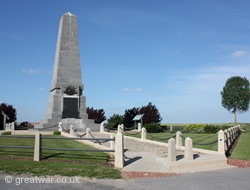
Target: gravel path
<point>136,145</point>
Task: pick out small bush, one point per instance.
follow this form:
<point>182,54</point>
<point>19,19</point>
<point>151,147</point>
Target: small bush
<point>57,133</point>
<point>27,124</point>
<point>198,131</point>
<point>153,127</point>
<point>193,127</point>
<point>6,133</point>
<point>214,128</point>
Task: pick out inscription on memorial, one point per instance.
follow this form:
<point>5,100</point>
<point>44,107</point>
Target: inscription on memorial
<point>70,108</point>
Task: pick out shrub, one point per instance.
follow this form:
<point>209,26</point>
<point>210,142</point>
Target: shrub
<point>57,133</point>
<point>115,120</point>
<point>199,131</point>
<point>214,128</point>
<point>6,133</point>
<point>192,127</point>
<point>153,127</point>
<point>10,111</point>
<point>27,124</point>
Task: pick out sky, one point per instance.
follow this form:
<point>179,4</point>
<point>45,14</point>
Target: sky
<point>175,54</point>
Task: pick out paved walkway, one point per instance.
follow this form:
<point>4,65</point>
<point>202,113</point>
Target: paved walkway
<point>150,157</point>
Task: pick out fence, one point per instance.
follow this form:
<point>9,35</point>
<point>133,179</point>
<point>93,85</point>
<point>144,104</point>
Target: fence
<point>225,140</point>
<point>118,149</point>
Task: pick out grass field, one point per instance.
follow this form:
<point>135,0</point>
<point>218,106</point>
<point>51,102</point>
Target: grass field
<point>55,162</point>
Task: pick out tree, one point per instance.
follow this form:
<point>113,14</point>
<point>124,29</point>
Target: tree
<point>97,114</point>
<point>10,111</point>
<point>115,120</point>
<point>151,114</point>
<point>129,116</point>
<point>236,95</point>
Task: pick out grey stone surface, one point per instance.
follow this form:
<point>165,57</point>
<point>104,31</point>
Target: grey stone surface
<point>67,75</point>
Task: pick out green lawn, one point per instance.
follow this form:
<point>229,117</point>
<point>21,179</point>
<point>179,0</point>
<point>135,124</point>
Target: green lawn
<point>242,149</point>
<point>55,162</point>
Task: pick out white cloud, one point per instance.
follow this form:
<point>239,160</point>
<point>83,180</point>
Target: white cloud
<point>132,89</point>
<point>40,88</point>
<point>239,53</point>
<point>31,71</point>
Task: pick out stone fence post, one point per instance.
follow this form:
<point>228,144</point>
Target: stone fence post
<point>188,149</point>
<point>221,142</point>
<point>171,150</point>
<point>37,147</point>
<point>60,127</point>
<point>7,127</point>
<point>119,150</point>
<point>178,139</point>
<point>226,139</point>
<point>71,130</point>
<point>139,127</point>
<point>12,128</point>
<point>88,133</point>
<point>112,143</point>
<point>143,134</point>
<point>102,127</point>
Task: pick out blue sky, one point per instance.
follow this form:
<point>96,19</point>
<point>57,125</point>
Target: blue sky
<point>175,54</point>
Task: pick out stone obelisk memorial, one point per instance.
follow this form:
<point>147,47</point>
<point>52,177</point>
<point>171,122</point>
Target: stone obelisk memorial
<point>66,103</point>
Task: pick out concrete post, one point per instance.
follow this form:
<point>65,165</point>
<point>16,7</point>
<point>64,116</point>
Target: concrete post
<point>119,150</point>
<point>88,133</point>
<point>171,150</point>
<point>171,128</point>
<point>230,135</point>
<point>119,129</point>
<point>112,143</point>
<point>71,130</point>
<point>37,147</point>
<point>4,122</point>
<point>122,127</point>
<point>221,142</point>
<point>143,134</point>
<point>188,149</point>
<point>232,138</point>
<point>60,127</point>
<point>6,127</point>
<point>102,127</point>
<point>233,133</point>
<point>139,127</point>
<point>13,128</point>
<point>178,139</point>
<point>228,138</point>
